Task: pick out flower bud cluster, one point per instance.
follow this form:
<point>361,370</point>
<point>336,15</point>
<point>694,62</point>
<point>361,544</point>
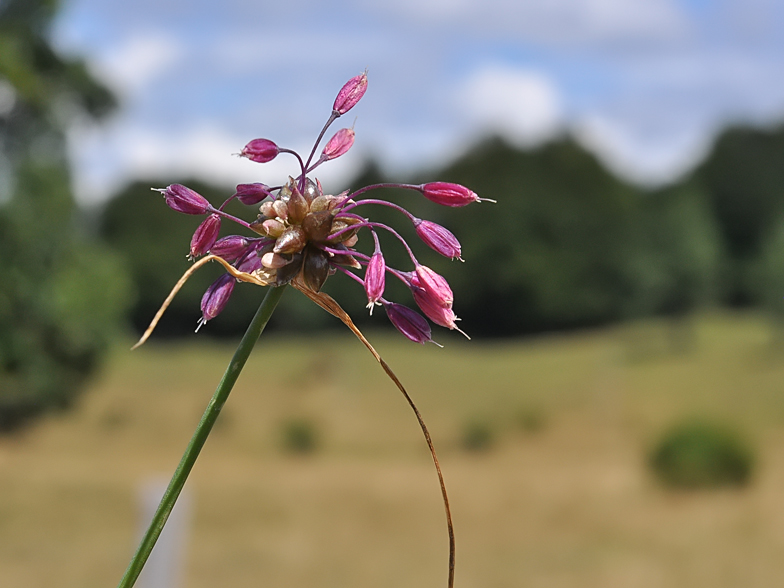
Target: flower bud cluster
<point>303,234</point>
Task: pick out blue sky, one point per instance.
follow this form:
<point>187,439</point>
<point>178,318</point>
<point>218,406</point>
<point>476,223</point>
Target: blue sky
<point>645,84</point>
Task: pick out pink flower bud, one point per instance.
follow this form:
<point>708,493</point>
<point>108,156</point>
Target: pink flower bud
<point>448,194</point>
<point>438,238</point>
<point>350,94</point>
<point>215,298</point>
<point>375,277</point>
<point>339,144</point>
<point>440,315</point>
<point>260,150</point>
<point>205,236</point>
<point>434,285</point>
<point>250,262</point>
<point>183,199</point>
<point>409,322</point>
<point>252,193</point>
<point>230,248</point>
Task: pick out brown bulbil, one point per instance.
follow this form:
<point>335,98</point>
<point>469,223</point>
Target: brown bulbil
<point>298,207</point>
<point>257,225</point>
<point>315,268</point>
<point>318,225</point>
<point>288,272</point>
<point>311,191</point>
<point>292,240</point>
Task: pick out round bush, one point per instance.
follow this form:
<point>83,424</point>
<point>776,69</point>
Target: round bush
<point>702,455</point>
<point>299,436</point>
<point>477,436</point>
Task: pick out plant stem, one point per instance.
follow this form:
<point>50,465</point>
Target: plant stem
<point>203,429</point>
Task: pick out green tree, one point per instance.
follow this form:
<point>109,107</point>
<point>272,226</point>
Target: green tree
<point>743,178</point>
<point>60,296</point>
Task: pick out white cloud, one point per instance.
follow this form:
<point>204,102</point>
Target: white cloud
<point>562,21</point>
<point>139,60</point>
<point>638,156</point>
<point>523,106</point>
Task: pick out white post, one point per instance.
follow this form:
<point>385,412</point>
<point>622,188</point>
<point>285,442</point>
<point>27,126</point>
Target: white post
<point>165,565</point>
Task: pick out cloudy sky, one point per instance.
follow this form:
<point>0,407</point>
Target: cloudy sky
<point>645,84</point>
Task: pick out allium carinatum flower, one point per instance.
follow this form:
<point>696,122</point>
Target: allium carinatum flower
<point>305,235</point>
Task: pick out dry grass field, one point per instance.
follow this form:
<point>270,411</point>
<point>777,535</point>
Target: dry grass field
<point>560,496</point>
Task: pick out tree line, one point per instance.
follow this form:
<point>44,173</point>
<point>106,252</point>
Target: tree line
<point>568,244</point>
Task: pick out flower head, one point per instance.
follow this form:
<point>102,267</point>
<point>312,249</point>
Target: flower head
<point>305,235</point>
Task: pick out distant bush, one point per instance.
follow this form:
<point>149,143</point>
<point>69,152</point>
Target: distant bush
<point>477,436</point>
<point>702,455</point>
<point>299,436</point>
<point>531,420</point>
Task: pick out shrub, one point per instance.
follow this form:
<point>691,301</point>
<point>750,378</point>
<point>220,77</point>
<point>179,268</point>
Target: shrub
<point>702,455</point>
<point>477,436</point>
<point>299,436</point>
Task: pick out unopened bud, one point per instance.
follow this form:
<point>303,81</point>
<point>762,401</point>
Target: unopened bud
<point>339,144</point>
<point>249,262</point>
<point>230,248</point>
<point>409,322</point>
<point>448,194</point>
<point>375,277</point>
<point>438,238</point>
<point>260,150</point>
<point>183,199</point>
<point>440,315</point>
<point>351,93</point>
<point>205,236</point>
<point>215,298</point>
<point>252,193</point>
<point>434,285</point>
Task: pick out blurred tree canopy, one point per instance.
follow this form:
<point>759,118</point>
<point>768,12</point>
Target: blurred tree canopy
<point>60,296</point>
<point>743,178</point>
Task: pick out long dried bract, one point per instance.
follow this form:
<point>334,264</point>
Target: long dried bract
<point>329,304</point>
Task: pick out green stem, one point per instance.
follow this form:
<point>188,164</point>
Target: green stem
<point>203,429</point>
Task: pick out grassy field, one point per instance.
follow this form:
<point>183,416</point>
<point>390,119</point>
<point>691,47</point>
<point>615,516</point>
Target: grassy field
<point>560,496</point>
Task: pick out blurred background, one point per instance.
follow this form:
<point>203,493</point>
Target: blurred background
<point>618,418</point>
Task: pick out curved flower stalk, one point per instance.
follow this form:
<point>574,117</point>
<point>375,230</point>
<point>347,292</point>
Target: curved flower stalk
<point>301,236</point>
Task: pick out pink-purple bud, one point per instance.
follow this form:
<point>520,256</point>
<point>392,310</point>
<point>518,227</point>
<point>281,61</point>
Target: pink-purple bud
<point>351,93</point>
<point>339,144</point>
<point>440,315</point>
<point>215,298</point>
<point>250,262</point>
<point>260,150</point>
<point>252,193</point>
<point>183,199</point>
<point>375,277</point>
<point>448,194</point>
<point>438,238</point>
<point>205,236</point>
<point>434,285</point>
<point>230,248</point>
<point>409,322</point>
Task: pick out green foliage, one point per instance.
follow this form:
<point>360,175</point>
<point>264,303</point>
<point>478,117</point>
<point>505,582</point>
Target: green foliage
<point>61,297</point>
<point>744,180</point>
<point>702,455</point>
<point>299,436</point>
<point>477,435</point>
